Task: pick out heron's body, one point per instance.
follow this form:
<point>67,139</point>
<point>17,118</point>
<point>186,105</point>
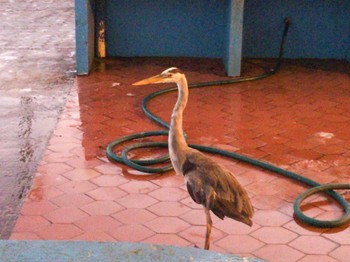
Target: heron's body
<point>207,182</point>
<point>216,188</point>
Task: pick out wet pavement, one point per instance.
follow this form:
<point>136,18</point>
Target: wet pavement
<point>36,72</point>
<point>298,119</point>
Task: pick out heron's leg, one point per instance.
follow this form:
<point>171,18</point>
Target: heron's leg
<point>209,225</point>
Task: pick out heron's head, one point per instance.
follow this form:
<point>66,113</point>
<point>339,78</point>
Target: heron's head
<point>171,75</point>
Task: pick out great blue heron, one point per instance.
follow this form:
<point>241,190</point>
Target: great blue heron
<point>207,182</point>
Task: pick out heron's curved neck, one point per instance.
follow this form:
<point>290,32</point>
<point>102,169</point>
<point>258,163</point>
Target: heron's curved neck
<point>181,101</point>
<point>177,142</point>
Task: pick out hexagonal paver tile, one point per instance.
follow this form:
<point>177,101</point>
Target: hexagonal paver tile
<point>268,202</point>
<point>263,188</point>
<point>95,236</point>
<point>65,215</point>
<point>59,232</point>
<point>81,162</point>
<point>256,175</point>
<point>337,171</point>
<point>44,193</point>
<point>341,237</point>
<point>303,229</point>
<point>169,181</point>
<point>143,187</point>
<point>66,131</point>
<point>54,168</point>
<point>37,208</point>
<point>169,209</point>
<point>274,235</point>
<point>234,227</point>
<point>61,157</point>
<point>196,234</point>
<point>324,177</point>
<point>109,169</point>
<point>167,225</point>
<point>49,180</point>
<point>81,174</point>
<point>30,223</point>
<point>243,179</point>
<point>197,217</point>
<point>167,239</point>
<point>169,194</point>
<point>330,215</point>
<point>314,245</point>
<point>287,209</point>
<point>270,218</point>
<point>239,244</point>
<point>134,216</point>
<point>72,200</point>
<point>106,193</point>
<point>102,208</point>
<point>97,223</point>
<point>341,253</point>
<point>109,180</point>
<point>24,236</point>
<point>77,187</point>
<point>131,233</point>
<point>62,147</point>
<point>288,194</point>
<point>318,258</point>
<point>277,253</point>
<point>330,149</point>
<point>137,201</point>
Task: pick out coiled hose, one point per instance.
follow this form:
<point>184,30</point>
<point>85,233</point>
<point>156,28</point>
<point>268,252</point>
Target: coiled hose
<point>143,165</point>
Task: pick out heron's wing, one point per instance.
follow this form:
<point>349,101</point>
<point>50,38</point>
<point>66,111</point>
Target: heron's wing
<point>216,188</point>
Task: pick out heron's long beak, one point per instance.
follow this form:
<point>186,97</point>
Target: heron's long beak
<point>151,80</point>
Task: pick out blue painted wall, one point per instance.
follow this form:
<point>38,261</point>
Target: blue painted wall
<point>196,28</point>
<point>320,28</point>
<point>193,28</point>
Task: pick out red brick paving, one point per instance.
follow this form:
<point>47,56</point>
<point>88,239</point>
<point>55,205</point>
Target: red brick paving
<point>297,119</point>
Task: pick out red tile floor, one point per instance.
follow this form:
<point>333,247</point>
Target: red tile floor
<point>298,119</point>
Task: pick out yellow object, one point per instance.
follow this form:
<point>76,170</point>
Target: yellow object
<point>101,43</point>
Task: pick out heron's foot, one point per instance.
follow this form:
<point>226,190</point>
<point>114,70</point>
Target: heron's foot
<point>195,246</point>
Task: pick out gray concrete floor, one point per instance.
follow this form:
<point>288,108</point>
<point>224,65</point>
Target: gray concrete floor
<point>107,251</point>
<point>37,63</point>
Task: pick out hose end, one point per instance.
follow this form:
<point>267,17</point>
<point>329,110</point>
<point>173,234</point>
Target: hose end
<point>287,21</point>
